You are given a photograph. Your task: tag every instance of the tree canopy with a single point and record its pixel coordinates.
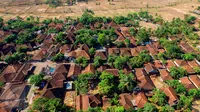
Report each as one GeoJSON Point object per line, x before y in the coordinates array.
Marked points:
{"type": "Point", "coordinates": [106, 85]}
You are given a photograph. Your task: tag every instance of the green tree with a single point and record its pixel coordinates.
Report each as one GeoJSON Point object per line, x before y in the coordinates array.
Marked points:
{"type": "Point", "coordinates": [97, 62]}
{"type": "Point", "coordinates": [96, 109]}
{"type": "Point", "coordinates": [36, 79]}
{"type": "Point", "coordinates": [126, 82]}
{"type": "Point", "coordinates": [22, 49]}
{"type": "Point", "coordinates": [138, 61]}
{"type": "Point", "coordinates": [195, 93]}
{"type": "Point", "coordinates": [177, 86]}
{"type": "Point", "coordinates": [106, 85]}
{"type": "Point", "coordinates": [177, 72]}
{"type": "Point", "coordinates": [120, 62]}
{"type": "Point", "coordinates": [87, 18]}
{"type": "Point", "coordinates": [82, 61]}
{"type": "Point", "coordinates": [111, 60]}
{"type": "Point", "coordinates": [48, 105]}
{"type": "Point", "coordinates": [115, 109]}
{"type": "Point", "coordinates": [120, 19]}
{"type": "Point", "coordinates": [190, 19]}
{"type": "Point", "coordinates": [148, 107]}
{"type": "Point", "coordinates": [16, 57]}
{"type": "Point", "coordinates": [103, 39]}
{"type": "Point", "coordinates": [10, 38]}
{"type": "Point", "coordinates": [25, 37]}
{"type": "Point", "coordinates": [2, 84]}
{"type": "Point", "coordinates": [173, 51]}
{"type": "Point", "coordinates": [185, 102]}
{"type": "Point", "coordinates": [60, 37]}
{"type": "Point", "coordinates": [114, 100]}
{"type": "Point", "coordinates": [82, 83]}
{"type": "Point", "coordinates": [159, 98]}
{"type": "Point", "coordinates": [127, 42]}
{"type": "Point", "coordinates": [167, 108]}
{"type": "Point", "coordinates": [197, 69]}
{"type": "Point", "coordinates": [1, 20]}
{"type": "Point", "coordinates": [142, 35]}
{"type": "Point", "coordinates": [58, 57]}
{"type": "Point", "coordinates": [133, 31]}
{"type": "Point", "coordinates": [92, 51]}
{"type": "Point", "coordinates": [188, 57]}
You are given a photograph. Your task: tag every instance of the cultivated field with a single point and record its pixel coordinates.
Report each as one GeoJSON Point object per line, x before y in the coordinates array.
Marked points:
{"type": "Point", "coordinates": [168, 9]}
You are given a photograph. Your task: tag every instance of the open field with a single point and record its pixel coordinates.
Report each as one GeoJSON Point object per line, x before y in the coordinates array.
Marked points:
{"type": "Point", "coordinates": [168, 9]}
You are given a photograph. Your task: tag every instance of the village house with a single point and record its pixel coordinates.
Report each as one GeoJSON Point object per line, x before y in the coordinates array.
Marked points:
{"type": "Point", "coordinates": [83, 102]}
{"type": "Point", "coordinates": [187, 83]}
{"type": "Point", "coordinates": [185, 65]}
{"type": "Point", "coordinates": [140, 100]}
{"type": "Point", "coordinates": [195, 80]}
{"type": "Point", "coordinates": [126, 100]}
{"type": "Point", "coordinates": [145, 81]}
{"type": "Point", "coordinates": [171, 94]}
{"type": "Point", "coordinates": [165, 75]}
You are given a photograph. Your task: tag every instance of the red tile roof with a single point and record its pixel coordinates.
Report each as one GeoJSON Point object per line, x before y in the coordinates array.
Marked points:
{"type": "Point", "coordinates": [113, 51]}
{"type": "Point", "coordinates": [193, 63]}
{"type": "Point", "coordinates": [171, 94]}
{"type": "Point", "coordinates": [79, 53]}
{"type": "Point", "coordinates": [125, 52]}
{"type": "Point", "coordinates": [185, 65]}
{"type": "Point", "coordinates": [165, 75]}
{"type": "Point", "coordinates": [140, 100]}
{"type": "Point", "coordinates": [134, 51]}
{"type": "Point", "coordinates": [89, 69]}
{"type": "Point", "coordinates": [170, 64]}
{"type": "Point", "coordinates": [74, 70]}
{"type": "Point", "coordinates": [195, 80]}
{"type": "Point", "coordinates": [150, 69]}
{"type": "Point", "coordinates": [187, 83]}
{"type": "Point", "coordinates": [187, 48]}
{"type": "Point", "coordinates": [83, 102]}
{"type": "Point", "coordinates": [125, 99]}
{"type": "Point", "coordinates": [101, 54]}
{"type": "Point", "coordinates": [13, 91]}
{"type": "Point", "coordinates": [144, 81]}
{"type": "Point", "coordinates": [158, 64]}
{"type": "Point", "coordinates": [106, 102]}
{"type": "Point", "coordinates": [114, 72]}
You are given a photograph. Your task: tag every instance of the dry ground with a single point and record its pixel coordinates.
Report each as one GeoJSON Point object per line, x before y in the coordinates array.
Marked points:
{"type": "Point", "coordinates": [168, 9]}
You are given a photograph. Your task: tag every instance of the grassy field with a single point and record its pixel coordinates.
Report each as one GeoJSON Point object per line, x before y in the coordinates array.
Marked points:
{"type": "Point", "coordinates": [168, 9]}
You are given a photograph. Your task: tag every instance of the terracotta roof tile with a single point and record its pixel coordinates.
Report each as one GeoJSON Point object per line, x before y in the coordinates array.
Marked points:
{"type": "Point", "coordinates": [125, 52]}
{"type": "Point", "coordinates": [101, 54]}
{"type": "Point", "coordinates": [83, 102]}
{"type": "Point", "coordinates": [165, 75]}
{"type": "Point", "coordinates": [61, 68]}
{"type": "Point", "coordinates": [134, 52]}
{"type": "Point", "coordinates": [74, 70]}
{"type": "Point", "coordinates": [13, 91]}
{"type": "Point", "coordinates": [195, 80]}
{"type": "Point", "coordinates": [193, 63]}
{"type": "Point", "coordinates": [150, 69]}
{"type": "Point", "coordinates": [114, 72]}
{"type": "Point", "coordinates": [169, 91]}
{"type": "Point", "coordinates": [79, 53]}
{"type": "Point", "coordinates": [89, 69]}
{"type": "Point", "coordinates": [125, 99]}
{"type": "Point", "coordinates": [113, 51]}
{"type": "Point", "coordinates": [187, 83]}
{"type": "Point", "coordinates": [170, 64]}
{"type": "Point", "coordinates": [140, 100]}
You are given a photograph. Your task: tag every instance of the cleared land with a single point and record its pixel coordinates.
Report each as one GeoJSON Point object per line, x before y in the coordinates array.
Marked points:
{"type": "Point", "coordinates": [168, 9]}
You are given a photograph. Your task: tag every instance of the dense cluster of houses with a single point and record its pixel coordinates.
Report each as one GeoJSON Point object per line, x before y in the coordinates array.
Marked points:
{"type": "Point", "coordinates": [14, 94]}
